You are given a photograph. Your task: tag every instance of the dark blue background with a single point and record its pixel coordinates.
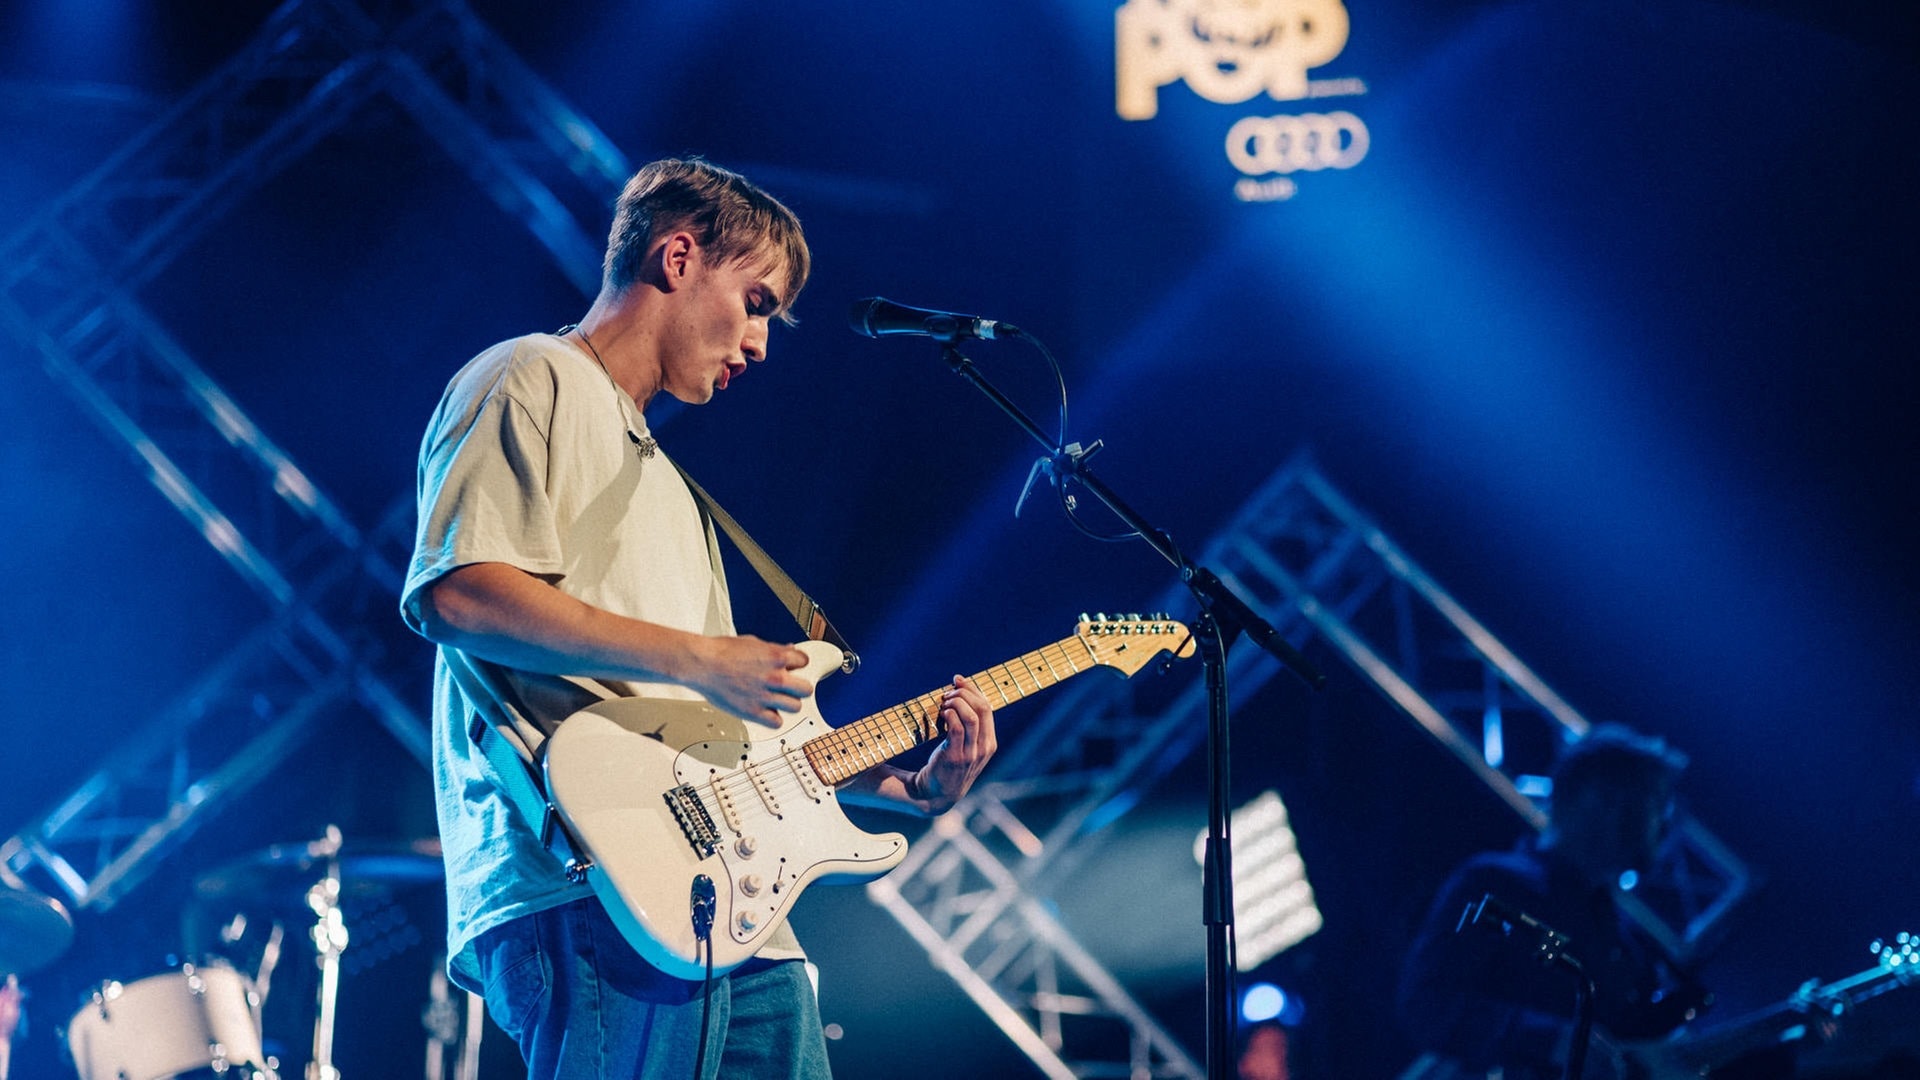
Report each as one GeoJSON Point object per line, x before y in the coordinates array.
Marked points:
{"type": "Point", "coordinates": [1613, 330]}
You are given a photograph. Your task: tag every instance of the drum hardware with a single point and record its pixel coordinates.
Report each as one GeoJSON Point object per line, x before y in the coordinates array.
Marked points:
{"type": "Point", "coordinates": [448, 1030]}
{"type": "Point", "coordinates": [10, 998]}
{"type": "Point", "coordinates": [35, 930]}
{"type": "Point", "coordinates": [203, 1016]}
{"type": "Point", "coordinates": [324, 874]}
{"type": "Point", "coordinates": [329, 936]}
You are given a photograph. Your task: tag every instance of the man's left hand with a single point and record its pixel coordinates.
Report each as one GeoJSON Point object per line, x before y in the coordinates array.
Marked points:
{"type": "Point", "coordinates": [967, 721]}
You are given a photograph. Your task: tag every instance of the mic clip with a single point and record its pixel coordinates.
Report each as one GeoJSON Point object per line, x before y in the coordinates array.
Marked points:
{"type": "Point", "coordinates": [1065, 463]}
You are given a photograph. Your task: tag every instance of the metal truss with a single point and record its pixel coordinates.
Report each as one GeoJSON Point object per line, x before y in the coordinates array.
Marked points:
{"type": "Point", "coordinates": [67, 284]}
{"type": "Point", "coordinates": [974, 891]}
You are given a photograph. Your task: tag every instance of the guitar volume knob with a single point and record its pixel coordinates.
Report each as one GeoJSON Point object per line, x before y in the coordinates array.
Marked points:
{"type": "Point", "coordinates": [745, 847]}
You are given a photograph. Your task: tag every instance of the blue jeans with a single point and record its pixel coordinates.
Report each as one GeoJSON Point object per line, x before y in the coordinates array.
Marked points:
{"type": "Point", "coordinates": [582, 1004]}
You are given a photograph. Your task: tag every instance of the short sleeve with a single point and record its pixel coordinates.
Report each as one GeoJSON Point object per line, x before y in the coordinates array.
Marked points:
{"type": "Point", "coordinates": [483, 497]}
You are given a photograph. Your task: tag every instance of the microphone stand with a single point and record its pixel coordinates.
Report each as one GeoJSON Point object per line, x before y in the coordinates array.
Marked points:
{"type": "Point", "coordinates": [1549, 947]}
{"type": "Point", "coordinates": [1224, 616]}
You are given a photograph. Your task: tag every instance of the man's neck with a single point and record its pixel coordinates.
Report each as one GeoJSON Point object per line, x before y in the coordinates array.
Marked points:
{"type": "Point", "coordinates": [616, 336]}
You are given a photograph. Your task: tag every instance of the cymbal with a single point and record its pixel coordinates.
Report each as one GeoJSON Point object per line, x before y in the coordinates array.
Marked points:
{"type": "Point", "coordinates": [34, 931]}
{"type": "Point", "coordinates": [286, 871]}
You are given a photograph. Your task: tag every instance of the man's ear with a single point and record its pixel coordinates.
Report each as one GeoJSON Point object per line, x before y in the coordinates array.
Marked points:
{"type": "Point", "coordinates": [674, 258]}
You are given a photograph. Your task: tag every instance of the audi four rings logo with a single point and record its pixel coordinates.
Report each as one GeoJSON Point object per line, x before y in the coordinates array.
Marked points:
{"type": "Point", "coordinates": [1260, 145]}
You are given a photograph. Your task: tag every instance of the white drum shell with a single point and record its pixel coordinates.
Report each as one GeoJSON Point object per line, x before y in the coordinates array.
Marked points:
{"type": "Point", "coordinates": [196, 1018]}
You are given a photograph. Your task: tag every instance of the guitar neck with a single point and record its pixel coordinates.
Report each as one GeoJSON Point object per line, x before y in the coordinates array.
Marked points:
{"type": "Point", "coordinates": [1718, 1045]}
{"type": "Point", "coordinates": [847, 751]}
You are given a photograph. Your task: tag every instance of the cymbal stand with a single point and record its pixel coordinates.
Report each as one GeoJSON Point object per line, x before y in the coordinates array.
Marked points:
{"type": "Point", "coordinates": [269, 960]}
{"type": "Point", "coordinates": [329, 941]}
{"type": "Point", "coordinates": [10, 997]}
{"type": "Point", "coordinates": [446, 1028]}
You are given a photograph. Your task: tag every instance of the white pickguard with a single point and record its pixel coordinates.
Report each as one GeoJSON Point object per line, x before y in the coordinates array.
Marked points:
{"type": "Point", "coordinates": [777, 827]}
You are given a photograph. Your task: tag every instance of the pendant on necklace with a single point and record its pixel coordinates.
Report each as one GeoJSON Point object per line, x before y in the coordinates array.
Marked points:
{"type": "Point", "coordinates": [646, 447]}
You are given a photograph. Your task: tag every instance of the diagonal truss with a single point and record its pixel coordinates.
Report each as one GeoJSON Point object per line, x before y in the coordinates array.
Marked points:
{"type": "Point", "coordinates": [67, 292]}
{"type": "Point", "coordinates": [67, 284]}
{"type": "Point", "coordinates": [974, 891]}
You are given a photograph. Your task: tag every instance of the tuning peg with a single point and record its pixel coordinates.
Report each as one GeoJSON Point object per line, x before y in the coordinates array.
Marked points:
{"type": "Point", "coordinates": [1084, 617]}
{"type": "Point", "coordinates": [1101, 617]}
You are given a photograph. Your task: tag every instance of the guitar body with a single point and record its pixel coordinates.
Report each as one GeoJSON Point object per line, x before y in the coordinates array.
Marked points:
{"type": "Point", "coordinates": [668, 798]}
{"type": "Point", "coordinates": [661, 792]}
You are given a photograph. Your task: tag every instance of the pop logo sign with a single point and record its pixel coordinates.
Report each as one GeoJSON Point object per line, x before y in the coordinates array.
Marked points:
{"type": "Point", "coordinates": [1231, 51]}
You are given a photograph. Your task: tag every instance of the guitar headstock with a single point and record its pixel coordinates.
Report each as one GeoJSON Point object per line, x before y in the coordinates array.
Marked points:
{"type": "Point", "coordinates": [1898, 965]}
{"type": "Point", "coordinates": [1900, 956]}
{"type": "Point", "coordinates": [1130, 642]}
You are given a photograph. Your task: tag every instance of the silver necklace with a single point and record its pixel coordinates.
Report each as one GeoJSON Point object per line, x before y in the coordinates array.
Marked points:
{"type": "Point", "coordinates": [646, 447]}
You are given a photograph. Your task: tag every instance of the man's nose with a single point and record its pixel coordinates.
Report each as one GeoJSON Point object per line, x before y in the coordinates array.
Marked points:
{"type": "Point", "coordinates": [754, 346]}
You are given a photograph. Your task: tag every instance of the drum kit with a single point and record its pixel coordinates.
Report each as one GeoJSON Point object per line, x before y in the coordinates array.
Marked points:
{"type": "Point", "coordinates": [204, 1017]}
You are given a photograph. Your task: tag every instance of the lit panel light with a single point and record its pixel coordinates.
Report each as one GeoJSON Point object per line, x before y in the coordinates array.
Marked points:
{"type": "Point", "coordinates": [1273, 908]}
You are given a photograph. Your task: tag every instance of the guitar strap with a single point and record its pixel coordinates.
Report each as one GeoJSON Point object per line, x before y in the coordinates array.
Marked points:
{"type": "Point", "coordinates": [808, 614]}
{"type": "Point", "coordinates": [513, 746]}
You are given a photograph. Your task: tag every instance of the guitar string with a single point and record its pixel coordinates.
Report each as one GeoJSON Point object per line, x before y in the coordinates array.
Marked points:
{"type": "Point", "coordinates": [891, 732]}
{"type": "Point", "coordinates": [904, 723]}
{"type": "Point", "coordinates": [900, 721]}
{"type": "Point", "coordinates": [895, 731]}
{"type": "Point", "coordinates": [872, 739]}
{"type": "Point", "coordinates": [745, 785]}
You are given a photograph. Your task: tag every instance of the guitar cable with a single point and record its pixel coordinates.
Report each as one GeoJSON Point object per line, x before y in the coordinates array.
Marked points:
{"type": "Point", "coordinates": [703, 905]}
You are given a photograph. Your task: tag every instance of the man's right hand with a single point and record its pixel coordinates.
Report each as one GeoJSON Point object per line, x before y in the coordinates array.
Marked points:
{"type": "Point", "coordinates": [752, 678]}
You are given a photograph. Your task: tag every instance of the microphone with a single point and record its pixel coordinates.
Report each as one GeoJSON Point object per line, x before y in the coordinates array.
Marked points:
{"type": "Point", "coordinates": [879, 317]}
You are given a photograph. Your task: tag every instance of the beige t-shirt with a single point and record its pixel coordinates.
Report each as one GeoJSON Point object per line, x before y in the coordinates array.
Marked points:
{"type": "Point", "coordinates": [528, 461]}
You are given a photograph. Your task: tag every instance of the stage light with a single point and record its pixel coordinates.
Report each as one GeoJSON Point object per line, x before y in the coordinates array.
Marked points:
{"type": "Point", "coordinates": [1262, 1001]}
{"type": "Point", "coordinates": [1273, 906]}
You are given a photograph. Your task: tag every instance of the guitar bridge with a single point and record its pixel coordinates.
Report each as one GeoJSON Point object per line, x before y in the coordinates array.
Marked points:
{"type": "Point", "coordinates": [694, 820]}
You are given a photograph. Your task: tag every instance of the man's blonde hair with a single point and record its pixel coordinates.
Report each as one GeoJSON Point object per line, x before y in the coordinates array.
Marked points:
{"type": "Point", "coordinates": [730, 217]}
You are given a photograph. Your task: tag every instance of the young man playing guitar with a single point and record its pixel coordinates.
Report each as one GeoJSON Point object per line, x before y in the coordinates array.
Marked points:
{"type": "Point", "coordinates": [562, 561]}
{"type": "Point", "coordinates": [1478, 1003]}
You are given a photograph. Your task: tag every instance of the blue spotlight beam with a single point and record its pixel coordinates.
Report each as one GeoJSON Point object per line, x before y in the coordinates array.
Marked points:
{"type": "Point", "coordinates": [295, 81]}
{"type": "Point", "coordinates": [66, 291]}
{"type": "Point", "coordinates": [67, 283]}
{"type": "Point", "coordinates": [247, 713]}
{"type": "Point", "coordinates": [973, 891]}
{"type": "Point", "coordinates": [1017, 979]}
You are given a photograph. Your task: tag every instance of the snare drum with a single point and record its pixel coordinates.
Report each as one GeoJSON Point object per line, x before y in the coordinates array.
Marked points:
{"type": "Point", "coordinates": [203, 1016]}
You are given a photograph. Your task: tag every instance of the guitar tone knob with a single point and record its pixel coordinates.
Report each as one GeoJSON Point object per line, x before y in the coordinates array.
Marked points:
{"type": "Point", "coordinates": [751, 884]}
{"type": "Point", "coordinates": [745, 847]}
{"type": "Point", "coordinates": [746, 921]}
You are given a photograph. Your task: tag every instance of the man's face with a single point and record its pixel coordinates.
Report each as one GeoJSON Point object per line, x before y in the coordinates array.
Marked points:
{"type": "Point", "coordinates": [719, 323]}
{"type": "Point", "coordinates": [1616, 828]}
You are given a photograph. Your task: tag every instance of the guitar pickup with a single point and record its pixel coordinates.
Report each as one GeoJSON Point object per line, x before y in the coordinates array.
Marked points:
{"type": "Point", "coordinates": [691, 813]}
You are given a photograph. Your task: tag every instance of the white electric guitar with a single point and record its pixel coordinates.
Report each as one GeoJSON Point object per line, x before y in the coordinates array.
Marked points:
{"type": "Point", "coordinates": [676, 802]}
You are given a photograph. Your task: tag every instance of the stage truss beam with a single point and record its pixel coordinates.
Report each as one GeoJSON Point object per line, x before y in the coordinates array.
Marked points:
{"type": "Point", "coordinates": [976, 891]}
{"type": "Point", "coordinates": [67, 292]}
